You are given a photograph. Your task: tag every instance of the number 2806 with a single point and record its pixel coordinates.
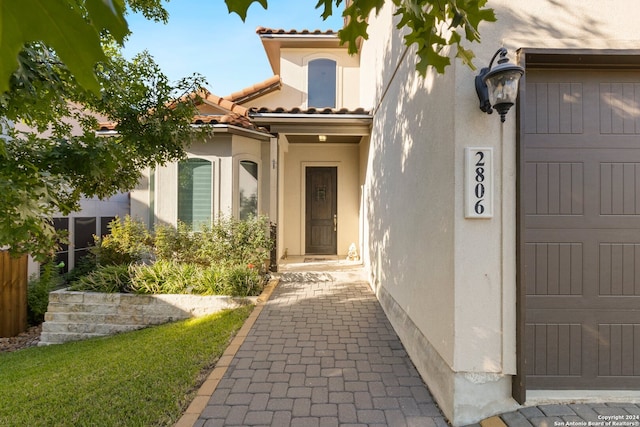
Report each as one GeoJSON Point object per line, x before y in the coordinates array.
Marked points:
{"type": "Point", "coordinates": [479, 188]}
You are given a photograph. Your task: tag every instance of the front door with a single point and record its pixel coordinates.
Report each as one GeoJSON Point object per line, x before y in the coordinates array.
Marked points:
{"type": "Point", "coordinates": [321, 210]}
{"type": "Point", "coordinates": [581, 233]}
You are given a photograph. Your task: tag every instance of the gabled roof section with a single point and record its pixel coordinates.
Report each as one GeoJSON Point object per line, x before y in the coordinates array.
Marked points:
{"type": "Point", "coordinates": [214, 110]}
{"type": "Point", "coordinates": [257, 90]}
{"type": "Point", "coordinates": [275, 39]}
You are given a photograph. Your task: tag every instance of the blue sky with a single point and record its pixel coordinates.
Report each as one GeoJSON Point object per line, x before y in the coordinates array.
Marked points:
{"type": "Point", "coordinates": [202, 37]}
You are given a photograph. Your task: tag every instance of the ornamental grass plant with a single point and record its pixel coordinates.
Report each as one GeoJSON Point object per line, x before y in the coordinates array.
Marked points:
{"type": "Point", "coordinates": [140, 378]}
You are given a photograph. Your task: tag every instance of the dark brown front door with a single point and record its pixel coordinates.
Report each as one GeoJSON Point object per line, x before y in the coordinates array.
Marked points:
{"type": "Point", "coordinates": [580, 230]}
{"type": "Point", "coordinates": [321, 210]}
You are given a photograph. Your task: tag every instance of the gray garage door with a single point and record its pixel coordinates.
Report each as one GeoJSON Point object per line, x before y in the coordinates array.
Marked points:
{"type": "Point", "coordinates": [581, 232]}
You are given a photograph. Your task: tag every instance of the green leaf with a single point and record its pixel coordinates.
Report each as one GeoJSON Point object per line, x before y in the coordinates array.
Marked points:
{"type": "Point", "coordinates": [57, 24]}
{"type": "Point", "coordinates": [242, 6]}
{"type": "Point", "coordinates": [109, 15]}
{"type": "Point", "coordinates": [328, 7]}
{"type": "Point", "coordinates": [466, 56]}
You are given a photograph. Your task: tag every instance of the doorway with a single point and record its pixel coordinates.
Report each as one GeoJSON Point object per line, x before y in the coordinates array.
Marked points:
{"type": "Point", "coordinates": [321, 213]}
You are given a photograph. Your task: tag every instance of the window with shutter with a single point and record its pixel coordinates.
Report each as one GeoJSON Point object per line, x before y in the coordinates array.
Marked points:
{"type": "Point", "coordinates": [194, 192]}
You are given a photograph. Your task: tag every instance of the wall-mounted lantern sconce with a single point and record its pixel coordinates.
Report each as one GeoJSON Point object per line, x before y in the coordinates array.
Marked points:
{"type": "Point", "coordinates": [497, 87]}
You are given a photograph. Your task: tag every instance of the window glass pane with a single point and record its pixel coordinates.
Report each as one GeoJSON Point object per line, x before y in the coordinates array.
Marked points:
{"type": "Point", "coordinates": [248, 182]}
{"type": "Point", "coordinates": [104, 225]}
{"type": "Point", "coordinates": [84, 230]}
{"type": "Point", "coordinates": [194, 192]}
{"type": "Point", "coordinates": [322, 83]}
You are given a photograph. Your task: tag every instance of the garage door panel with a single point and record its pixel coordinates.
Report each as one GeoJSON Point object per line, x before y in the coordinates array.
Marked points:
{"type": "Point", "coordinates": [618, 349]}
{"type": "Point", "coordinates": [554, 107]}
{"type": "Point", "coordinates": [555, 349]}
{"type": "Point", "coordinates": [619, 103]}
{"type": "Point", "coordinates": [558, 188]}
{"type": "Point", "coordinates": [554, 268]}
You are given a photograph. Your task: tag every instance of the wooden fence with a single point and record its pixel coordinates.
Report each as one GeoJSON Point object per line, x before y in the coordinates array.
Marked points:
{"type": "Point", "coordinates": [13, 295]}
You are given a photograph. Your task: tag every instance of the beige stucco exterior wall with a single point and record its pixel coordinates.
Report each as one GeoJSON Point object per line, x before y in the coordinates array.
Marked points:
{"type": "Point", "coordinates": [224, 151]}
{"type": "Point", "coordinates": [293, 72]}
{"type": "Point", "coordinates": [296, 159]}
{"type": "Point", "coordinates": [448, 283]}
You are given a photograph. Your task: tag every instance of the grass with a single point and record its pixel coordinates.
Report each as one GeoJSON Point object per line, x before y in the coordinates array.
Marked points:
{"type": "Point", "coordinates": [141, 378]}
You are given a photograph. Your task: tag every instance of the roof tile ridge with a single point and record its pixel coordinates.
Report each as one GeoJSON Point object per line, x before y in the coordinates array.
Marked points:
{"type": "Point", "coordinates": [254, 89]}
{"type": "Point", "coordinates": [224, 103]}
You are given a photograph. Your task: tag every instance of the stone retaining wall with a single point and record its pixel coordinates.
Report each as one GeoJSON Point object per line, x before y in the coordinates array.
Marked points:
{"type": "Point", "coordinates": [73, 316]}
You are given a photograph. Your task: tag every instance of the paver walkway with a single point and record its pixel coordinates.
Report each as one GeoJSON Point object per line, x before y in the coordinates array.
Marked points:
{"type": "Point", "coordinates": [321, 353]}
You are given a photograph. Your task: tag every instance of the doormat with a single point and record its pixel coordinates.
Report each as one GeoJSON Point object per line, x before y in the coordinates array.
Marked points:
{"type": "Point", "coordinates": [315, 259]}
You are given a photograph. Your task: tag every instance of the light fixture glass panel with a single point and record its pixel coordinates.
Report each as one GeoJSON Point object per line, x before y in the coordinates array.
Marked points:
{"type": "Point", "coordinates": [503, 87]}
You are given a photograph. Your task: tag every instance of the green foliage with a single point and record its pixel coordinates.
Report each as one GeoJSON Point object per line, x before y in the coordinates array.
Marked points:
{"type": "Point", "coordinates": [141, 378]}
{"type": "Point", "coordinates": [40, 175]}
{"type": "Point", "coordinates": [106, 278]}
{"type": "Point", "coordinates": [241, 280]}
{"type": "Point", "coordinates": [224, 259]}
{"type": "Point", "coordinates": [179, 244]}
{"type": "Point", "coordinates": [230, 241]}
{"type": "Point", "coordinates": [128, 242]}
{"type": "Point", "coordinates": [71, 28]}
{"type": "Point", "coordinates": [38, 292]}
{"type": "Point", "coordinates": [172, 277]}
{"type": "Point", "coordinates": [435, 24]}
{"type": "Point", "coordinates": [164, 277]}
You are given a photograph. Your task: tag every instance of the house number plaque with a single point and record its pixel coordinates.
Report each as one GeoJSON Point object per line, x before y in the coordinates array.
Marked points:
{"type": "Point", "coordinates": [478, 182]}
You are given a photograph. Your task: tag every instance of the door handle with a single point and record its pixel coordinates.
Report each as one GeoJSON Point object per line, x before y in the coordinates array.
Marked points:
{"type": "Point", "coordinates": [335, 222]}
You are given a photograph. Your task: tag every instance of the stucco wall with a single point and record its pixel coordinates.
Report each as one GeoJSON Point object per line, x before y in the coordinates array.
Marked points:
{"type": "Point", "coordinates": [448, 283]}
{"type": "Point", "coordinates": [224, 151]}
{"type": "Point", "coordinates": [293, 72]}
{"type": "Point", "coordinates": [346, 159]}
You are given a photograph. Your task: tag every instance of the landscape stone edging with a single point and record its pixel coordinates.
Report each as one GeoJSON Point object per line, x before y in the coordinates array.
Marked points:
{"type": "Point", "coordinates": [73, 315]}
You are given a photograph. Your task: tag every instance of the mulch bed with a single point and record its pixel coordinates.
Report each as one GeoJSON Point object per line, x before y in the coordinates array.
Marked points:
{"type": "Point", "coordinates": [29, 338]}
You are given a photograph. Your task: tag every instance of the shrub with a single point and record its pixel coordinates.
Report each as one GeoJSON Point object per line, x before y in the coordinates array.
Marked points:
{"type": "Point", "coordinates": [171, 277]}
{"type": "Point", "coordinates": [230, 241]}
{"type": "Point", "coordinates": [163, 277]}
{"type": "Point", "coordinates": [128, 242]}
{"type": "Point", "coordinates": [106, 278]}
{"type": "Point", "coordinates": [178, 244]}
{"type": "Point", "coordinates": [38, 290]}
{"type": "Point", "coordinates": [242, 281]}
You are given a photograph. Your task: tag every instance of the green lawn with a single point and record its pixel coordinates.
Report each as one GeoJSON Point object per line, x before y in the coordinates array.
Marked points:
{"type": "Point", "coordinates": [141, 378]}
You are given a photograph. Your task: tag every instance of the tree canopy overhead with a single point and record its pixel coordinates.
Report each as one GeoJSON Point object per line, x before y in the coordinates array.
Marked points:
{"type": "Point", "coordinates": [50, 153]}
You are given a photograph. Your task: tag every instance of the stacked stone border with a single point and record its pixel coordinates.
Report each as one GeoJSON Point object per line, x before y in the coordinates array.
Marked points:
{"type": "Point", "coordinates": [73, 316]}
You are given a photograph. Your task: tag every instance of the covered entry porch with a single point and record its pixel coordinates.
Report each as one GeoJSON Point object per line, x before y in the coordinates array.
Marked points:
{"type": "Point", "coordinates": [321, 168]}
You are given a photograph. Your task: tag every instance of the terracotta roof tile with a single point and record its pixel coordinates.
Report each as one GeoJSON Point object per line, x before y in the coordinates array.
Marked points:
{"type": "Point", "coordinates": [269, 85]}
{"type": "Point", "coordinates": [227, 104]}
{"type": "Point", "coordinates": [233, 119]}
{"type": "Point", "coordinates": [280, 31]}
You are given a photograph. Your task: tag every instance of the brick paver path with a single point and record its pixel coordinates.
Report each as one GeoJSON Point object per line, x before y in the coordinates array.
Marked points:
{"type": "Point", "coordinates": [321, 353]}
